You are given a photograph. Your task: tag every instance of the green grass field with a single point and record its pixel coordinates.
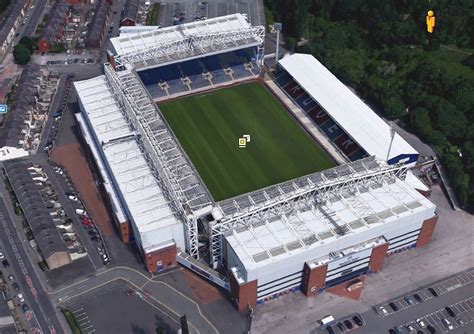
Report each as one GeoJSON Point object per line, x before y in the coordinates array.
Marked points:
{"type": "Point", "coordinates": [208, 127]}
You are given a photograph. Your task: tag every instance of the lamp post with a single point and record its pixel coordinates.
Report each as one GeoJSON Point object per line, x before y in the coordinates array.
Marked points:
{"type": "Point", "coordinates": [392, 135]}
{"type": "Point", "coordinates": [278, 27]}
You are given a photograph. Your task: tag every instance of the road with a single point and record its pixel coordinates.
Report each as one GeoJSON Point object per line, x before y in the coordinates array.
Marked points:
{"type": "Point", "coordinates": [35, 15]}
{"type": "Point", "coordinates": [162, 295]}
{"type": "Point", "coordinates": [35, 295]}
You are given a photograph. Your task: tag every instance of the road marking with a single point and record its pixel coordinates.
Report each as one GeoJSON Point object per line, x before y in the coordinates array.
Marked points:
{"type": "Point", "coordinates": [144, 276]}
{"type": "Point", "coordinates": [78, 310]}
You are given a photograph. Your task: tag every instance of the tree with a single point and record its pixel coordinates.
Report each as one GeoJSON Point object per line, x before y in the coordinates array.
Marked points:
{"type": "Point", "coordinates": [21, 54]}
{"type": "Point", "coordinates": [469, 61]}
{"type": "Point", "coordinates": [291, 43]}
{"type": "Point", "coordinates": [449, 119]}
{"type": "Point", "coordinates": [394, 106]}
{"type": "Point", "coordinates": [28, 43]}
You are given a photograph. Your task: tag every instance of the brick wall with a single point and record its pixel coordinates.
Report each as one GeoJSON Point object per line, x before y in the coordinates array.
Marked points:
{"type": "Point", "coordinates": [427, 231]}
{"type": "Point", "coordinates": [377, 257]}
{"type": "Point", "coordinates": [243, 295]}
{"type": "Point", "coordinates": [167, 256]}
{"type": "Point", "coordinates": [125, 232]}
{"type": "Point", "coordinates": [313, 279]}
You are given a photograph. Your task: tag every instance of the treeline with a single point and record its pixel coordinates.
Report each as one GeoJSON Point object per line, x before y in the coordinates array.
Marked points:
{"type": "Point", "coordinates": [382, 49]}
{"type": "Point", "coordinates": [4, 5]}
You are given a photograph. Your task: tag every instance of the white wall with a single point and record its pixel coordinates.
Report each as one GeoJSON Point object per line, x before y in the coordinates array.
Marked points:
{"type": "Point", "coordinates": [275, 268]}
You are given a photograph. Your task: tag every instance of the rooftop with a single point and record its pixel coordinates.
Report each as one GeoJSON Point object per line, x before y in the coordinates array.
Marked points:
{"type": "Point", "coordinates": [351, 212]}
{"type": "Point", "coordinates": [46, 234]}
{"type": "Point", "coordinates": [125, 156]}
{"type": "Point", "coordinates": [146, 49]}
{"type": "Point", "coordinates": [345, 107]}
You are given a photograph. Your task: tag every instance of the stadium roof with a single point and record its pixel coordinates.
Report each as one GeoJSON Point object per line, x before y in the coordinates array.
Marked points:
{"type": "Point", "coordinates": [346, 108]}
{"type": "Point", "coordinates": [148, 49]}
{"type": "Point", "coordinates": [134, 176]}
{"type": "Point", "coordinates": [353, 211]}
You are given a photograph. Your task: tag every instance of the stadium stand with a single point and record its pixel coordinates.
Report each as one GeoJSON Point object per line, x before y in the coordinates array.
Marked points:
{"type": "Point", "coordinates": [345, 119]}
{"type": "Point", "coordinates": [220, 68]}
{"type": "Point", "coordinates": [321, 118]}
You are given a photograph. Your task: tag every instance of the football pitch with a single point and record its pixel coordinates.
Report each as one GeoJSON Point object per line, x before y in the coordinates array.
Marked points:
{"type": "Point", "coordinates": [209, 126]}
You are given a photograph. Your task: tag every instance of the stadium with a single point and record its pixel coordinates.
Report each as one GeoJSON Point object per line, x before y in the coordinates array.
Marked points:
{"type": "Point", "coordinates": [262, 182]}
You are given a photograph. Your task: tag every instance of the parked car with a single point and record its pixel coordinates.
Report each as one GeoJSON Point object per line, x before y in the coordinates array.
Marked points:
{"type": "Point", "coordinates": [433, 292]}
{"type": "Point", "coordinates": [5, 263]}
{"type": "Point", "coordinates": [25, 308]}
{"type": "Point", "coordinates": [410, 328]}
{"type": "Point", "coordinates": [450, 311]}
{"type": "Point", "coordinates": [417, 298]}
{"type": "Point", "coordinates": [348, 324]}
{"type": "Point", "coordinates": [92, 232]}
{"type": "Point", "coordinates": [357, 320]}
{"type": "Point", "coordinates": [20, 297]}
{"type": "Point", "coordinates": [383, 310]}
{"type": "Point", "coordinates": [448, 324]}
{"type": "Point", "coordinates": [11, 278]}
{"type": "Point", "coordinates": [393, 306]}
{"type": "Point", "coordinates": [408, 300]}
{"type": "Point", "coordinates": [330, 330]}
{"type": "Point", "coordinates": [431, 329]}
{"type": "Point", "coordinates": [2, 255]}
{"type": "Point", "coordinates": [16, 287]}
{"type": "Point", "coordinates": [95, 238]}
{"type": "Point", "coordinates": [421, 323]}
{"type": "Point", "coordinates": [460, 322]}
{"type": "Point", "coordinates": [340, 326]}
{"type": "Point", "coordinates": [392, 331]}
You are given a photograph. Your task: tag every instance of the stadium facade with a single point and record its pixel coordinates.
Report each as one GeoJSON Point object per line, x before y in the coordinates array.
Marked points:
{"type": "Point", "coordinates": [309, 233]}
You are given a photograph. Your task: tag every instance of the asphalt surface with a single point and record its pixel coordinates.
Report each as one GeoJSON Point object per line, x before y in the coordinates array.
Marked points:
{"type": "Point", "coordinates": [35, 296]}
{"type": "Point", "coordinates": [34, 16]}
{"type": "Point", "coordinates": [374, 322]}
{"type": "Point", "coordinates": [187, 10]}
{"type": "Point", "coordinates": [163, 296]}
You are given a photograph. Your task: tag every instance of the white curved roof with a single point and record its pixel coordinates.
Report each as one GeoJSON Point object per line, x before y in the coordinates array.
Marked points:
{"type": "Point", "coordinates": [345, 108]}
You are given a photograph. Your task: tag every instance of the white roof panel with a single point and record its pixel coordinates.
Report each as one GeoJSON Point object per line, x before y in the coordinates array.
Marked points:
{"type": "Point", "coordinates": [258, 246]}
{"type": "Point", "coordinates": [138, 42]}
{"type": "Point", "coordinates": [133, 175]}
{"type": "Point", "coordinates": [345, 107]}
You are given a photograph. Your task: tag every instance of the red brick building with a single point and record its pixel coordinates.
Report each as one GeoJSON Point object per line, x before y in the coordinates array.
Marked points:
{"type": "Point", "coordinates": [54, 29]}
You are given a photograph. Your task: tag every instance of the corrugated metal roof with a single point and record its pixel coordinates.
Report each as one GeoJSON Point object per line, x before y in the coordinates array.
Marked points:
{"type": "Point", "coordinates": [345, 107]}
{"type": "Point", "coordinates": [141, 41]}
{"type": "Point", "coordinates": [257, 245]}
{"type": "Point", "coordinates": [128, 163]}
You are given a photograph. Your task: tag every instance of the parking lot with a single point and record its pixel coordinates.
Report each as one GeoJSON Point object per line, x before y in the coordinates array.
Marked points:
{"type": "Point", "coordinates": [127, 312]}
{"type": "Point", "coordinates": [391, 307]}
{"type": "Point", "coordinates": [464, 315]}
{"type": "Point", "coordinates": [82, 319]}
{"type": "Point", "coordinates": [183, 11]}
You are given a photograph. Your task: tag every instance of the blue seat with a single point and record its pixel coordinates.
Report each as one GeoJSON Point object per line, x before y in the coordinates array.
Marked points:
{"type": "Point", "coordinates": [190, 68]}
{"type": "Point", "coordinates": [159, 74]}
{"type": "Point", "coordinates": [358, 154]}
{"type": "Point", "coordinates": [212, 63]}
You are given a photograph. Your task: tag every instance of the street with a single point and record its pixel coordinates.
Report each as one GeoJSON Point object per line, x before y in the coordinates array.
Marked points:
{"type": "Point", "coordinates": [25, 274]}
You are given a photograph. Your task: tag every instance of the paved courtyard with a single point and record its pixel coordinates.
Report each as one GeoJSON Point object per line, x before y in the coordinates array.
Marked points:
{"type": "Point", "coordinates": [449, 252]}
